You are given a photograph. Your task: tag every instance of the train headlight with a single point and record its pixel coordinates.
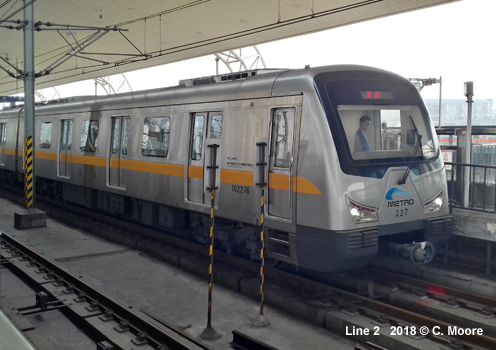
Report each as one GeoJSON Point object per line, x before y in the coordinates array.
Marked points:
{"type": "Point", "coordinates": [361, 213]}
{"type": "Point", "coordinates": [433, 205]}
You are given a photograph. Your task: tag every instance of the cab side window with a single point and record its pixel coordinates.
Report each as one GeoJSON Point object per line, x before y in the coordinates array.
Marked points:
{"type": "Point", "coordinates": [283, 137]}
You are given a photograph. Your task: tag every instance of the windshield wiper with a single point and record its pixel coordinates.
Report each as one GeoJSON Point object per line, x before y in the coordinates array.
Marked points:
{"type": "Point", "coordinates": [415, 150]}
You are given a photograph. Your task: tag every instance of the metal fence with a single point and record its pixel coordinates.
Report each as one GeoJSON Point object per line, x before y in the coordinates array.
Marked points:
{"type": "Point", "coordinates": [484, 155]}
{"type": "Point", "coordinates": [482, 183]}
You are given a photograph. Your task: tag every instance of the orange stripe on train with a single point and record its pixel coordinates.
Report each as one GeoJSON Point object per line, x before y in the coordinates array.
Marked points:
{"type": "Point", "coordinates": [236, 177]}
{"type": "Point", "coordinates": [11, 151]}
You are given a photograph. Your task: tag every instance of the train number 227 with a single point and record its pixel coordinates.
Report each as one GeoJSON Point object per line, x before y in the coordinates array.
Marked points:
{"type": "Point", "coordinates": [401, 212]}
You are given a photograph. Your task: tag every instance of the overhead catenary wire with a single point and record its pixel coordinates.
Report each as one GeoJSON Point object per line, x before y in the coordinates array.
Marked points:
{"type": "Point", "coordinates": [133, 58]}
{"type": "Point", "coordinates": [16, 11]}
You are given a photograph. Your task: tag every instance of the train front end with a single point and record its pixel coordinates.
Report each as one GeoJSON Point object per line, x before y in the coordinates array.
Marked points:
{"type": "Point", "coordinates": [387, 189]}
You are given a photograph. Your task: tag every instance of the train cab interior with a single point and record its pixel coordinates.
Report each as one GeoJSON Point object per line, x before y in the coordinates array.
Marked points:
{"type": "Point", "coordinates": [378, 132]}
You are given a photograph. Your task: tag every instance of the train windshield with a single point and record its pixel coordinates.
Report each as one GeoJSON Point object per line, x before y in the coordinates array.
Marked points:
{"type": "Point", "coordinates": [382, 132]}
{"type": "Point", "coordinates": [377, 120]}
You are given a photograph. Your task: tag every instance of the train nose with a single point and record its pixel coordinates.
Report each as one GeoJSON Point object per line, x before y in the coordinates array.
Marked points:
{"type": "Point", "coordinates": [400, 203]}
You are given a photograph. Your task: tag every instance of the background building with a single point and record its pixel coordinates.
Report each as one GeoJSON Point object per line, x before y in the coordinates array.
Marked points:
{"type": "Point", "coordinates": [454, 112]}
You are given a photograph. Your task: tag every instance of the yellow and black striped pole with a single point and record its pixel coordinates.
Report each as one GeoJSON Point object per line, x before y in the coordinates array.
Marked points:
{"type": "Point", "coordinates": [28, 168]}
{"type": "Point", "coordinates": [261, 320]}
{"type": "Point", "coordinates": [262, 256]}
{"type": "Point", "coordinates": [211, 256]}
{"type": "Point", "coordinates": [209, 333]}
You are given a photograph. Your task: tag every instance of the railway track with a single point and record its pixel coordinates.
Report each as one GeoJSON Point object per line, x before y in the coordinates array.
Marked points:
{"type": "Point", "coordinates": [109, 321]}
{"type": "Point", "coordinates": [365, 319]}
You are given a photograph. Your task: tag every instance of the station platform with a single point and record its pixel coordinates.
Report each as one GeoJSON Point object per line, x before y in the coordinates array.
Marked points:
{"type": "Point", "coordinates": [474, 224]}
{"type": "Point", "coordinates": [479, 227]}
{"type": "Point", "coordinates": [10, 337]}
{"type": "Point", "coordinates": [153, 287]}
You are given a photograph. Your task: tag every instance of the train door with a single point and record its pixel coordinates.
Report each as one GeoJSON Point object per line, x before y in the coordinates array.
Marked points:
{"type": "Point", "coordinates": [280, 194]}
{"type": "Point", "coordinates": [117, 166]}
{"type": "Point", "coordinates": [65, 147]}
{"type": "Point", "coordinates": [204, 126]}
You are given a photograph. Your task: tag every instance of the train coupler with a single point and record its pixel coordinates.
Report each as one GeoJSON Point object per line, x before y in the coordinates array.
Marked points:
{"type": "Point", "coordinates": [418, 253]}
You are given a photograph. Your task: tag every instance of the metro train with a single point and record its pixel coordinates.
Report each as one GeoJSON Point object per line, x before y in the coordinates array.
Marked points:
{"type": "Point", "coordinates": [148, 157]}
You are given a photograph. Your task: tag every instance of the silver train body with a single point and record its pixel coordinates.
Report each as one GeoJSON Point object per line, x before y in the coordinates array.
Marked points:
{"type": "Point", "coordinates": [146, 156]}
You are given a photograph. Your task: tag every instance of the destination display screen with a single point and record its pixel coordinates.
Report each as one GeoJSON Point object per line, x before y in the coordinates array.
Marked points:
{"type": "Point", "coordinates": [377, 95]}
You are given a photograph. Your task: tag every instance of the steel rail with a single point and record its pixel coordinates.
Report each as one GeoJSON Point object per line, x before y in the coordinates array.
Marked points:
{"type": "Point", "coordinates": [242, 341]}
{"type": "Point", "coordinates": [394, 314]}
{"type": "Point", "coordinates": [480, 300]}
{"type": "Point", "coordinates": [167, 337]}
{"type": "Point", "coordinates": [367, 306]}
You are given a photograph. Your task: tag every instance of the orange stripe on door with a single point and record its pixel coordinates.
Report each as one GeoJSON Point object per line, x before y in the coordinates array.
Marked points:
{"type": "Point", "coordinates": [300, 184]}
{"type": "Point", "coordinates": [195, 172]}
{"type": "Point", "coordinates": [114, 162]}
{"type": "Point", "coordinates": [9, 151]}
{"type": "Point", "coordinates": [279, 181]}
{"type": "Point", "coordinates": [305, 186]}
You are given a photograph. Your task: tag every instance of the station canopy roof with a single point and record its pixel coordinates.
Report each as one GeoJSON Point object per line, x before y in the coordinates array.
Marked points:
{"type": "Point", "coordinates": [77, 40]}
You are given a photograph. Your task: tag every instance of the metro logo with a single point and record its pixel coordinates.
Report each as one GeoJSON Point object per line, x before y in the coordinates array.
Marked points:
{"type": "Point", "coordinates": [398, 203]}
{"type": "Point", "coordinates": [393, 191]}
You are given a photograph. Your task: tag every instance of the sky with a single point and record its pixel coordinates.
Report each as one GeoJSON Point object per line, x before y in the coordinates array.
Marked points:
{"type": "Point", "coordinates": [454, 42]}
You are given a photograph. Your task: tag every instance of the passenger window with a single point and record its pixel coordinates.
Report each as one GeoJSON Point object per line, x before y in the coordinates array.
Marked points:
{"type": "Point", "coordinates": [197, 137]}
{"type": "Point", "coordinates": [156, 134]}
{"type": "Point", "coordinates": [116, 133]}
{"type": "Point", "coordinates": [125, 134]}
{"type": "Point", "coordinates": [3, 140]}
{"type": "Point", "coordinates": [3, 134]}
{"type": "Point", "coordinates": [46, 135]}
{"type": "Point", "coordinates": [66, 135]}
{"type": "Point", "coordinates": [89, 135]}
{"type": "Point", "coordinates": [216, 126]}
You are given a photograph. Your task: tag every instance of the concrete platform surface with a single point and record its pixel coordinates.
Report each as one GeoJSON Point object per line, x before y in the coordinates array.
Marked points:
{"type": "Point", "coordinates": [474, 224]}
{"type": "Point", "coordinates": [164, 291]}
